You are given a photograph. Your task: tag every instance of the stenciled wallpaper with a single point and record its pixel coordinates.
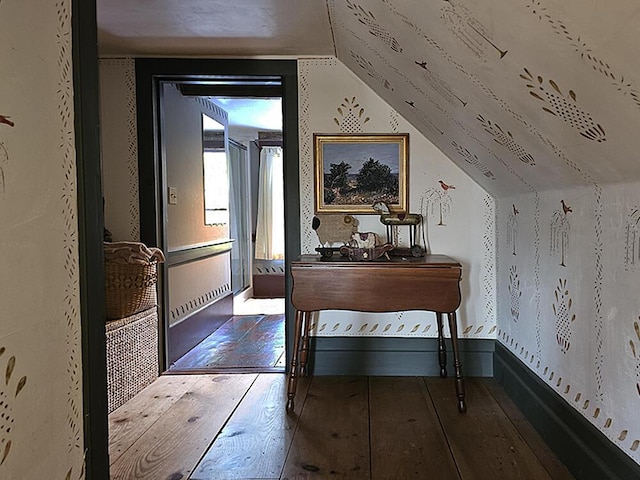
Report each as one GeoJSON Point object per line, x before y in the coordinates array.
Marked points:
{"type": "Point", "coordinates": [458, 214]}
{"type": "Point", "coordinates": [119, 144]}
{"type": "Point", "coordinates": [41, 426]}
{"type": "Point", "coordinates": [538, 101]}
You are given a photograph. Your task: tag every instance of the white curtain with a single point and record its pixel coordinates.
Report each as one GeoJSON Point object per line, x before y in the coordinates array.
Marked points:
{"type": "Point", "coordinates": [270, 225]}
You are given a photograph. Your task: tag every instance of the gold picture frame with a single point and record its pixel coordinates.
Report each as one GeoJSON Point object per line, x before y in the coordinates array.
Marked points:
{"type": "Point", "coordinates": [353, 171]}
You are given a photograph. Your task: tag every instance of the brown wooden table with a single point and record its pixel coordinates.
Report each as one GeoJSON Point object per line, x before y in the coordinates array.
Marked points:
{"type": "Point", "coordinates": [429, 283]}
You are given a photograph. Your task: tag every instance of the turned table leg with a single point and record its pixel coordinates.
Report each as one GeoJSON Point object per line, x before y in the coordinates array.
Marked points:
{"type": "Point", "coordinates": [453, 329]}
{"type": "Point", "coordinates": [293, 374]}
{"type": "Point", "coordinates": [304, 349]}
{"type": "Point", "coordinates": [442, 352]}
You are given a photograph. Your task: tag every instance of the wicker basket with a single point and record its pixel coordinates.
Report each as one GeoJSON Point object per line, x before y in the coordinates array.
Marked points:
{"type": "Point", "coordinates": [129, 288]}
{"type": "Point", "coordinates": [132, 356]}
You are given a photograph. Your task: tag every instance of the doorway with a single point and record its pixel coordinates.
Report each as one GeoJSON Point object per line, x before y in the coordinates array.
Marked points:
{"type": "Point", "coordinates": [149, 75]}
{"type": "Point", "coordinates": [249, 141]}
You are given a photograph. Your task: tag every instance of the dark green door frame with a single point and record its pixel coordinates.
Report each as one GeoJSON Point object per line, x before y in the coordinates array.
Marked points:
{"type": "Point", "coordinates": [90, 234]}
{"type": "Point", "coordinates": [149, 73]}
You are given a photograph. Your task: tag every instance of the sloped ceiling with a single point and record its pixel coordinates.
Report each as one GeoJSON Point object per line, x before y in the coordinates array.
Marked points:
{"type": "Point", "coordinates": [523, 95]}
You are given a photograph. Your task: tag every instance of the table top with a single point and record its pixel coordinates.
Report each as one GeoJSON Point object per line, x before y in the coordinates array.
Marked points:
{"type": "Point", "coordinates": [412, 283]}
{"type": "Point", "coordinates": [432, 260]}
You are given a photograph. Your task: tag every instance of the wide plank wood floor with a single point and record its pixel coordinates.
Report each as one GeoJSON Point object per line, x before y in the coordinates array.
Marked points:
{"type": "Point", "coordinates": [234, 426]}
{"type": "Point", "coordinates": [245, 343]}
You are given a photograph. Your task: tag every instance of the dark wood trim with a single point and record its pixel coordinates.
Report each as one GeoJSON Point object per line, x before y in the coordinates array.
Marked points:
{"type": "Point", "coordinates": [255, 91]}
{"type": "Point", "coordinates": [197, 253]}
{"type": "Point", "coordinates": [90, 236]}
{"type": "Point", "coordinates": [585, 450]}
{"type": "Point", "coordinates": [397, 356]}
{"type": "Point", "coordinates": [291, 194]}
{"type": "Point", "coordinates": [198, 326]}
{"type": "Point", "coordinates": [148, 73]}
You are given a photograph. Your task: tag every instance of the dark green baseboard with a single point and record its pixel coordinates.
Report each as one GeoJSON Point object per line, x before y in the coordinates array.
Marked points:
{"type": "Point", "coordinates": [396, 356]}
{"type": "Point", "coordinates": [584, 449]}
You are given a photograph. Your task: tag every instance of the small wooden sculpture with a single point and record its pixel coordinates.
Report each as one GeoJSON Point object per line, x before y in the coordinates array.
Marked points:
{"type": "Point", "coordinates": [390, 220]}
{"type": "Point", "coordinates": [365, 246]}
{"type": "Point", "coordinates": [332, 229]}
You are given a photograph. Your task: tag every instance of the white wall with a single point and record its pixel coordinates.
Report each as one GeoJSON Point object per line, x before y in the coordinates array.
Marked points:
{"type": "Point", "coordinates": [182, 128]}
{"type": "Point", "coordinates": [331, 97]}
{"type": "Point", "coordinates": [41, 426]}
{"type": "Point", "coordinates": [576, 325]}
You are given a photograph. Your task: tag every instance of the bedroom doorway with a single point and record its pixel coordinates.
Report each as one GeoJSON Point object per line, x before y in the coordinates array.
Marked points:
{"type": "Point", "coordinates": [150, 73]}
{"type": "Point", "coordinates": [253, 339]}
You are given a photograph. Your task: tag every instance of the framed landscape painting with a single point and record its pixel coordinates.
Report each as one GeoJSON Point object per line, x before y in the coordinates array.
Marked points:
{"type": "Point", "coordinates": [353, 171]}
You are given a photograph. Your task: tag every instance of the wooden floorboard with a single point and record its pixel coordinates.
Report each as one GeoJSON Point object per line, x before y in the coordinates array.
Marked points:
{"type": "Point", "coordinates": [484, 442]}
{"type": "Point", "coordinates": [261, 345]}
{"type": "Point", "coordinates": [218, 427]}
{"type": "Point", "coordinates": [255, 441]}
{"type": "Point", "coordinates": [130, 421]}
{"type": "Point", "coordinates": [549, 460]}
{"type": "Point", "coordinates": [406, 437]}
{"type": "Point", "coordinates": [173, 445]}
{"type": "Point", "coordinates": [332, 437]}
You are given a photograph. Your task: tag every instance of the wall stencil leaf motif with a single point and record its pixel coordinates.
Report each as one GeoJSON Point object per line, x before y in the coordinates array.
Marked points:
{"type": "Point", "coordinates": [9, 391]}
{"type": "Point", "coordinates": [351, 116]}
{"type": "Point", "coordinates": [635, 350]}
{"type": "Point", "coordinates": [632, 240]}
{"type": "Point", "coordinates": [439, 85]}
{"type": "Point", "coordinates": [472, 159]}
{"type": "Point", "coordinates": [564, 318]}
{"type": "Point", "coordinates": [4, 155]}
{"type": "Point", "coordinates": [422, 118]}
{"type": "Point", "coordinates": [560, 228]}
{"type": "Point", "coordinates": [371, 71]}
{"type": "Point", "coordinates": [621, 84]}
{"type": "Point", "coordinates": [506, 140]}
{"type": "Point", "coordinates": [369, 20]}
{"type": "Point", "coordinates": [512, 229]}
{"type": "Point", "coordinates": [563, 106]}
{"type": "Point", "coordinates": [514, 292]}
{"type": "Point", "coordinates": [468, 29]}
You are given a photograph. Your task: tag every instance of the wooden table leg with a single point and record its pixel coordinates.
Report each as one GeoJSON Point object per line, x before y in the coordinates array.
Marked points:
{"type": "Point", "coordinates": [453, 329]}
{"type": "Point", "coordinates": [293, 374]}
{"type": "Point", "coordinates": [304, 349]}
{"type": "Point", "coordinates": [442, 352]}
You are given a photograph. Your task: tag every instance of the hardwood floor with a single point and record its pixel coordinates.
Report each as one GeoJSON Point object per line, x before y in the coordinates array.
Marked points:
{"type": "Point", "coordinates": [247, 343]}
{"type": "Point", "coordinates": [234, 426]}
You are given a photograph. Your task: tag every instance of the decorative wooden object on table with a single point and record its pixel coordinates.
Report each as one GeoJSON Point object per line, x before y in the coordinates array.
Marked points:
{"type": "Point", "coordinates": [430, 283]}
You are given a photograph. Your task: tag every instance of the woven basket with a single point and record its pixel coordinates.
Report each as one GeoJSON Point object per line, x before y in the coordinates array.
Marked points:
{"type": "Point", "coordinates": [129, 288]}
{"type": "Point", "coordinates": [132, 356]}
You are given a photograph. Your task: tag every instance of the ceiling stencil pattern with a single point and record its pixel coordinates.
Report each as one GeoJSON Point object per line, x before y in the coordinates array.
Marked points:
{"type": "Point", "coordinates": [585, 52]}
{"type": "Point", "coordinates": [454, 64]}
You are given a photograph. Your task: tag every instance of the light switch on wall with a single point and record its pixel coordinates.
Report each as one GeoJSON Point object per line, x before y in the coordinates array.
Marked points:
{"type": "Point", "coordinates": [173, 196]}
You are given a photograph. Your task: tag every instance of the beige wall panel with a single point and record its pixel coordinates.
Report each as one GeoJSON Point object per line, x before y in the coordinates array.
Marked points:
{"type": "Point", "coordinates": [40, 358]}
